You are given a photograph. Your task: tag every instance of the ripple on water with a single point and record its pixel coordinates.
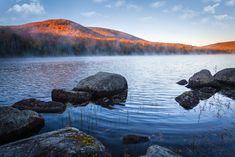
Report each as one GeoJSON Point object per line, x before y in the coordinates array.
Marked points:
{"type": "Point", "coordinates": [150, 108]}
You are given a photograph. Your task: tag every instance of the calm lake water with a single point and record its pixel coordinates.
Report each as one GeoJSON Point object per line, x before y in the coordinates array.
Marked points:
{"type": "Point", "coordinates": [206, 130]}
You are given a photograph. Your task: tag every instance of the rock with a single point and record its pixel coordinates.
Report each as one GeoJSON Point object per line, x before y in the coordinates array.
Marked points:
{"type": "Point", "coordinates": [73, 97]}
{"type": "Point", "coordinates": [182, 82]}
{"type": "Point", "coordinates": [103, 84]}
{"type": "Point", "coordinates": [226, 77]}
{"type": "Point", "coordinates": [206, 92]}
{"type": "Point", "coordinates": [105, 102]}
{"type": "Point", "coordinates": [134, 139]}
{"type": "Point", "coordinates": [202, 78]}
{"type": "Point", "coordinates": [40, 106]}
{"type": "Point", "coordinates": [158, 151]}
{"type": "Point", "coordinates": [228, 92]}
{"type": "Point", "coordinates": [112, 100]}
{"type": "Point", "coordinates": [188, 100]}
{"type": "Point", "coordinates": [16, 124]}
{"type": "Point", "coordinates": [67, 142]}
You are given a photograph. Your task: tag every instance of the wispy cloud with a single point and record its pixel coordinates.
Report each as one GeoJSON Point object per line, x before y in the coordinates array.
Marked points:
{"type": "Point", "coordinates": [188, 14]}
{"type": "Point", "coordinates": [134, 7]}
{"type": "Point", "coordinates": [33, 7]}
{"type": "Point", "coordinates": [184, 13]}
{"type": "Point", "coordinates": [99, 1]}
{"type": "Point", "coordinates": [230, 3]}
{"type": "Point", "coordinates": [211, 8]}
{"type": "Point", "coordinates": [146, 18]}
{"type": "Point", "coordinates": [176, 8]}
{"type": "Point", "coordinates": [223, 17]}
{"type": "Point", "coordinates": [90, 14]}
{"type": "Point", "coordinates": [120, 3]}
{"type": "Point", "coordinates": [158, 4]}
{"type": "Point", "coordinates": [124, 4]}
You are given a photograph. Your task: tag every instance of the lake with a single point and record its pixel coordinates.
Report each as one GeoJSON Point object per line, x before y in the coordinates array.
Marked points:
{"type": "Point", "coordinates": [150, 109]}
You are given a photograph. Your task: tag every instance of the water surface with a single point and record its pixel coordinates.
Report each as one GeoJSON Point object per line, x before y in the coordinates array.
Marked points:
{"type": "Point", "coordinates": [206, 130]}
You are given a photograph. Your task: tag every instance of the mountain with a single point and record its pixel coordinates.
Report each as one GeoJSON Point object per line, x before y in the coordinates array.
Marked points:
{"type": "Point", "coordinates": [109, 33]}
{"type": "Point", "coordinates": [60, 37]}
{"type": "Point", "coordinates": [223, 46]}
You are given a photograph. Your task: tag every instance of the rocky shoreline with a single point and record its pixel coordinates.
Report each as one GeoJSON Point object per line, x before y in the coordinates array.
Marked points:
{"type": "Point", "coordinates": [22, 121]}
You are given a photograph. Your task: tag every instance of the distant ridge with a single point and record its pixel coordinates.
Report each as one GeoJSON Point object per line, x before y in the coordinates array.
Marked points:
{"type": "Point", "coordinates": [223, 46]}
{"type": "Point", "coordinates": [61, 37]}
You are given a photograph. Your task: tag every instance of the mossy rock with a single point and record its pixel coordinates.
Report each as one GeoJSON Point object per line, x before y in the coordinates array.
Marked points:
{"type": "Point", "coordinates": [69, 142]}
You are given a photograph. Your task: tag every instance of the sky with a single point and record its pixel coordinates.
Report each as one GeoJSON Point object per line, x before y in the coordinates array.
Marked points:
{"type": "Point", "coordinates": [194, 22]}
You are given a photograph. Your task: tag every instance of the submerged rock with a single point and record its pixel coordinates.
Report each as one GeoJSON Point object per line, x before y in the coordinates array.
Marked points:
{"type": "Point", "coordinates": [202, 78]}
{"type": "Point", "coordinates": [182, 82]}
{"type": "Point", "coordinates": [69, 142]}
{"type": "Point", "coordinates": [158, 151]}
{"type": "Point", "coordinates": [16, 124]}
{"type": "Point", "coordinates": [103, 84]}
{"type": "Point", "coordinates": [73, 97]}
{"type": "Point", "coordinates": [188, 100]}
{"type": "Point", "coordinates": [226, 77]}
{"type": "Point", "coordinates": [40, 106]}
{"type": "Point", "coordinates": [134, 139]}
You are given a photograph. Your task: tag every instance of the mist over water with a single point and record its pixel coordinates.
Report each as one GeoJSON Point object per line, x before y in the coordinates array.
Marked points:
{"type": "Point", "coordinates": [206, 130]}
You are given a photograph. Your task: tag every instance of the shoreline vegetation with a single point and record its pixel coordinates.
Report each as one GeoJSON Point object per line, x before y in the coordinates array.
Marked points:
{"type": "Point", "coordinates": [105, 89]}
{"type": "Point", "coordinates": [60, 37]}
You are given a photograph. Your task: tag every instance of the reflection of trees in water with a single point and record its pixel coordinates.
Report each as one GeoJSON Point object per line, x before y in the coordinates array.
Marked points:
{"type": "Point", "coordinates": [217, 105]}
{"type": "Point", "coordinates": [218, 143]}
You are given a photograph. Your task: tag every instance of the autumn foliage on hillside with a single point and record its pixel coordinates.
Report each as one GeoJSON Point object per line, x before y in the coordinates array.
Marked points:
{"type": "Point", "coordinates": [64, 37]}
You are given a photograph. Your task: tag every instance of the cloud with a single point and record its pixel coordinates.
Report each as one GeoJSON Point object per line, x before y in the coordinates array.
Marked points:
{"type": "Point", "coordinates": [158, 4]}
{"type": "Point", "coordinates": [120, 3]}
{"type": "Point", "coordinates": [222, 17]}
{"type": "Point", "coordinates": [34, 7]}
{"type": "Point", "coordinates": [124, 4]}
{"type": "Point", "coordinates": [99, 1]}
{"type": "Point", "coordinates": [90, 14]}
{"type": "Point", "coordinates": [176, 8]}
{"type": "Point", "coordinates": [146, 18]}
{"type": "Point", "coordinates": [133, 7]}
{"type": "Point", "coordinates": [230, 3]}
{"type": "Point", "coordinates": [188, 14]}
{"type": "Point", "coordinates": [211, 8]}
{"type": "Point", "coordinates": [116, 4]}
{"type": "Point", "coordinates": [205, 20]}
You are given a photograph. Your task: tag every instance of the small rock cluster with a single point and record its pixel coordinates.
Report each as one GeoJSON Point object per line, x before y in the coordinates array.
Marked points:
{"type": "Point", "coordinates": [203, 85]}
{"type": "Point", "coordinates": [105, 89]}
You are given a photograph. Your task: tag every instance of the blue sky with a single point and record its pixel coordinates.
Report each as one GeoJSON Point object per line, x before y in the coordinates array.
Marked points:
{"type": "Point", "coordinates": [196, 22]}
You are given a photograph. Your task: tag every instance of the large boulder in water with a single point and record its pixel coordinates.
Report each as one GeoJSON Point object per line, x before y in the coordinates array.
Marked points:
{"type": "Point", "coordinates": [226, 77]}
{"type": "Point", "coordinates": [103, 84]}
{"type": "Point", "coordinates": [158, 151]}
{"type": "Point", "coordinates": [202, 78]}
{"type": "Point", "coordinates": [68, 142]}
{"type": "Point", "coordinates": [188, 100]}
{"type": "Point", "coordinates": [73, 97]}
{"type": "Point", "coordinates": [16, 124]}
{"type": "Point", "coordinates": [40, 106]}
